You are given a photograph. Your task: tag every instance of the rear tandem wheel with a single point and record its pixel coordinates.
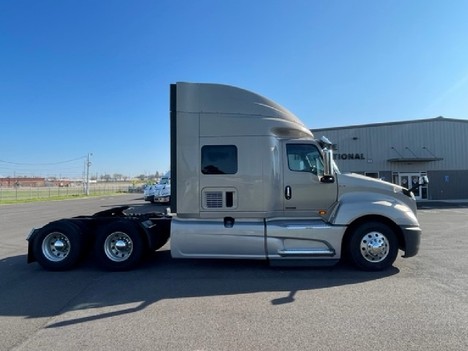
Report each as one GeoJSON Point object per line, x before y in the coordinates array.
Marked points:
{"type": "Point", "coordinates": [119, 246]}
{"type": "Point", "coordinates": [58, 245]}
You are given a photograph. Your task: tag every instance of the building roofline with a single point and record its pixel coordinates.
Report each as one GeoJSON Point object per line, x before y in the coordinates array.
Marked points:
{"type": "Point", "coordinates": [435, 119]}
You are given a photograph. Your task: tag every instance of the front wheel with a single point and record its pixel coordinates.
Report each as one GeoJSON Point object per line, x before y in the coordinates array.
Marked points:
{"type": "Point", "coordinates": [119, 246]}
{"type": "Point", "coordinates": [373, 246]}
{"type": "Point", "coordinates": [58, 245]}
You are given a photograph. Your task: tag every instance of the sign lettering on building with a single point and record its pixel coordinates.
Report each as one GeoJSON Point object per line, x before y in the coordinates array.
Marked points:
{"type": "Point", "coordinates": [349, 156]}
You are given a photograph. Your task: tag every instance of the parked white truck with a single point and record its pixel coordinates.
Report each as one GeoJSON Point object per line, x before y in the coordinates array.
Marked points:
{"type": "Point", "coordinates": [162, 192]}
{"type": "Point", "coordinates": [249, 181]}
{"type": "Point", "coordinates": [159, 192]}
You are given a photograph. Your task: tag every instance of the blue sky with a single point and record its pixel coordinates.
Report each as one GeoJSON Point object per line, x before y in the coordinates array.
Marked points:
{"type": "Point", "coordinates": [92, 76]}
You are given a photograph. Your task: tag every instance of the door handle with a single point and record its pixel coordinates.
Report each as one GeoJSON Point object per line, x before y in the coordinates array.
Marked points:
{"type": "Point", "coordinates": [287, 192]}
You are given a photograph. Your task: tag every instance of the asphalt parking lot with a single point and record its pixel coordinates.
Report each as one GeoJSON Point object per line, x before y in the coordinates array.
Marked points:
{"type": "Point", "coordinates": [167, 304]}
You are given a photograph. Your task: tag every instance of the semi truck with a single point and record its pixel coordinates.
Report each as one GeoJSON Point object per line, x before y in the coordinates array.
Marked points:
{"type": "Point", "coordinates": [249, 181]}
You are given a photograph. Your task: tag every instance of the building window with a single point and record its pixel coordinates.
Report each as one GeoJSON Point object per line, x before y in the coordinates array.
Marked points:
{"type": "Point", "coordinates": [219, 159]}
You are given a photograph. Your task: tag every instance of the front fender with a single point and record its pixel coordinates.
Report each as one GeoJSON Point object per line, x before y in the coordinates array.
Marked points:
{"type": "Point", "coordinates": [352, 206]}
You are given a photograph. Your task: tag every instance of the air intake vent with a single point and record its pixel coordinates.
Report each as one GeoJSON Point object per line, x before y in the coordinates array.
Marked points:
{"type": "Point", "coordinates": [219, 199]}
{"type": "Point", "coordinates": [214, 199]}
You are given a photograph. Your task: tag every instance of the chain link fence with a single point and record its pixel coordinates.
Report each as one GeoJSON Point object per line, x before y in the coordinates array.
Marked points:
{"type": "Point", "coordinates": [21, 193]}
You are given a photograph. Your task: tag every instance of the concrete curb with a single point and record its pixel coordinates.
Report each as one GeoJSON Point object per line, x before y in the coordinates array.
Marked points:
{"type": "Point", "coordinates": [427, 204]}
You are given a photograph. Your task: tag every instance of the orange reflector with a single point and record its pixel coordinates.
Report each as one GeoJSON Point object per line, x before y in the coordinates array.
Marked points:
{"type": "Point", "coordinates": [322, 212]}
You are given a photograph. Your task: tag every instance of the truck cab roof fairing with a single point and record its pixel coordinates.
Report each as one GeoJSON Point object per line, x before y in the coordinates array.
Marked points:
{"type": "Point", "coordinates": [263, 116]}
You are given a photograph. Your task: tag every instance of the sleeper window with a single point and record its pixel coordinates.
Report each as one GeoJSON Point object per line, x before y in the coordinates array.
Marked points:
{"type": "Point", "coordinates": [219, 159]}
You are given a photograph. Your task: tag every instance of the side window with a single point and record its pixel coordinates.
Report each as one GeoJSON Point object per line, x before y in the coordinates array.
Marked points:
{"type": "Point", "coordinates": [219, 159]}
{"type": "Point", "coordinates": [304, 158]}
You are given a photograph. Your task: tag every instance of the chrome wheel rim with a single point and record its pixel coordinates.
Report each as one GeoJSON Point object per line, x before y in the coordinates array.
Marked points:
{"type": "Point", "coordinates": [56, 246]}
{"type": "Point", "coordinates": [374, 247]}
{"type": "Point", "coordinates": [118, 246]}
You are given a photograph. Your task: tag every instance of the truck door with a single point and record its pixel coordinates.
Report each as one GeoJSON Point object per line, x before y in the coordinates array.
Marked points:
{"type": "Point", "coordinates": [303, 193]}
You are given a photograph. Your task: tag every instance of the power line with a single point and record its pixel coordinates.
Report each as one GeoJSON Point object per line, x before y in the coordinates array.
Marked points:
{"type": "Point", "coordinates": [43, 164]}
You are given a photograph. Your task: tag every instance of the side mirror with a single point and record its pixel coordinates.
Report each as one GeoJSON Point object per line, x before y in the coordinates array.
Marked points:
{"type": "Point", "coordinates": [424, 180]}
{"type": "Point", "coordinates": [328, 176]}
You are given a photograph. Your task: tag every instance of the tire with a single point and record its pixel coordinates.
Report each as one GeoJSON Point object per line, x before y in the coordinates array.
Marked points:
{"type": "Point", "coordinates": [373, 246]}
{"type": "Point", "coordinates": [58, 245]}
{"type": "Point", "coordinates": [119, 246]}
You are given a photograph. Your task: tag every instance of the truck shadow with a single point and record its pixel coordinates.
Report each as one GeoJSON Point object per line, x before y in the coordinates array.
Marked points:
{"type": "Point", "coordinates": [29, 291]}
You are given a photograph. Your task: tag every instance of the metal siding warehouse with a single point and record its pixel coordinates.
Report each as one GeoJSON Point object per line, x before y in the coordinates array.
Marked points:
{"type": "Point", "coordinates": [400, 152]}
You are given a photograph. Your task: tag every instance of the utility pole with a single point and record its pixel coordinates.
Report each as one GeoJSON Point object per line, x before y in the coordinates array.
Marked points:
{"type": "Point", "coordinates": [88, 164]}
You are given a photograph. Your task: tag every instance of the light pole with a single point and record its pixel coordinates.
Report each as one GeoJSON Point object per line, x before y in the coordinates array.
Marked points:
{"type": "Point", "coordinates": [88, 164]}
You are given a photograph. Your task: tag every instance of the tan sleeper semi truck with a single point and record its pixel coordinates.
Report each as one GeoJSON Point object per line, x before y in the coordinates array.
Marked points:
{"type": "Point", "coordinates": [249, 181]}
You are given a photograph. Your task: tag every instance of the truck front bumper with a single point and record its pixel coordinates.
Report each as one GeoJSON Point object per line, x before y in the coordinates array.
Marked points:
{"type": "Point", "coordinates": [162, 199]}
{"type": "Point", "coordinates": [412, 239]}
